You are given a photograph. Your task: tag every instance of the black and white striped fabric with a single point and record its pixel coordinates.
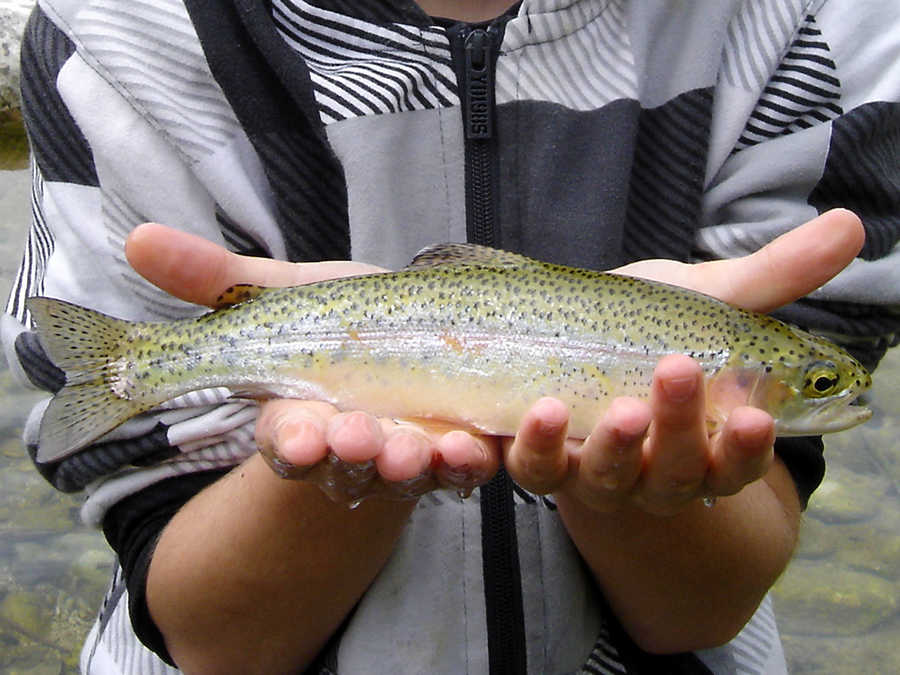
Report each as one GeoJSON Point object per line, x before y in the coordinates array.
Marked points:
{"type": "Point", "coordinates": [802, 92]}
{"type": "Point", "coordinates": [544, 59]}
{"type": "Point", "coordinates": [308, 130]}
{"type": "Point", "coordinates": [110, 646]}
{"type": "Point", "coordinates": [360, 68]}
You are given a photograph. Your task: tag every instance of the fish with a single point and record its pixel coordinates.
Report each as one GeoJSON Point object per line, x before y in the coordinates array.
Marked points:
{"type": "Point", "coordinates": [465, 335]}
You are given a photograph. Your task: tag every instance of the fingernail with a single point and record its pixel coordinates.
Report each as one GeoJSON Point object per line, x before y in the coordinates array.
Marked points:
{"type": "Point", "coordinates": [552, 418]}
{"type": "Point", "coordinates": [355, 436]}
{"type": "Point", "coordinates": [679, 389]}
{"type": "Point", "coordinates": [548, 428]}
{"type": "Point", "coordinates": [294, 428]}
{"type": "Point", "coordinates": [463, 438]}
{"type": "Point", "coordinates": [624, 439]}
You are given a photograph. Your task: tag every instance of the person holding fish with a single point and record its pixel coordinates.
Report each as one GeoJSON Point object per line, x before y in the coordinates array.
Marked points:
{"type": "Point", "coordinates": [495, 459]}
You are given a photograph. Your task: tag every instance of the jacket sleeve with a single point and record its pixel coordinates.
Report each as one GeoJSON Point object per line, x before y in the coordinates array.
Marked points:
{"type": "Point", "coordinates": [102, 165]}
{"type": "Point", "coordinates": [808, 119]}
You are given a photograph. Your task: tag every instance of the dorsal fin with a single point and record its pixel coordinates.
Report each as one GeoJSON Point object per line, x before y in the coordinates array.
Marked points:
{"type": "Point", "coordinates": [235, 295]}
{"type": "Point", "coordinates": [467, 254]}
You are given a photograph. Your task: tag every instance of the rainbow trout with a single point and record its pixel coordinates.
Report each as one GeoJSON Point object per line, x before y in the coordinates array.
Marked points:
{"type": "Point", "coordinates": [467, 335]}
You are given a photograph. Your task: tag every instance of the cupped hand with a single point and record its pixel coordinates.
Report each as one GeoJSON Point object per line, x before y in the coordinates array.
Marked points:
{"type": "Point", "coordinates": [350, 455]}
{"type": "Point", "coordinates": [657, 455]}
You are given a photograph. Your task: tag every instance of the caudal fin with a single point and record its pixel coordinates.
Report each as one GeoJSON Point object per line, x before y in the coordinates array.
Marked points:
{"type": "Point", "coordinates": [84, 344]}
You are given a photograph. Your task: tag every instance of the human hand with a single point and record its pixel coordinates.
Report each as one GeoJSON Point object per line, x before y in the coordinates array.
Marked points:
{"type": "Point", "coordinates": [350, 455]}
{"type": "Point", "coordinates": [657, 455]}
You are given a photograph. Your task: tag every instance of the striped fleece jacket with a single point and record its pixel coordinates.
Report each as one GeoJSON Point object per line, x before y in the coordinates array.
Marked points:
{"type": "Point", "coordinates": [589, 132]}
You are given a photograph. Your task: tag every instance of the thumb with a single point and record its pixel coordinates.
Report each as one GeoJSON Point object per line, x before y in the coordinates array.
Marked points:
{"type": "Point", "coordinates": [197, 270]}
{"type": "Point", "coordinates": [789, 267]}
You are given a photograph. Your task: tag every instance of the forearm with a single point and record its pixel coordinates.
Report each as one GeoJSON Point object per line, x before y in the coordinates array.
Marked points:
{"type": "Point", "coordinates": [691, 580]}
{"type": "Point", "coordinates": [255, 573]}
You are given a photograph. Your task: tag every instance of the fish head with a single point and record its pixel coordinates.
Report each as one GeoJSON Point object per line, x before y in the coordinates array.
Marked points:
{"type": "Point", "coordinates": [808, 384]}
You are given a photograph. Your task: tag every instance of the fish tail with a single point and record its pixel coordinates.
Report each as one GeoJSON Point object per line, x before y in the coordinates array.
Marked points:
{"type": "Point", "coordinates": [85, 345]}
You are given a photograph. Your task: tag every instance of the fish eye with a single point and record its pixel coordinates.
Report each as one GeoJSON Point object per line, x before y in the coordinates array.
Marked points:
{"type": "Point", "coordinates": [822, 378]}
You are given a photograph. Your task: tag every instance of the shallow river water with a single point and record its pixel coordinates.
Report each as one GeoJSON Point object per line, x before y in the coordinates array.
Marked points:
{"type": "Point", "coordinates": [838, 604]}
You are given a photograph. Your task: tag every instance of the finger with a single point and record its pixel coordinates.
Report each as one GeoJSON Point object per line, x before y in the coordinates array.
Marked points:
{"type": "Point", "coordinates": [417, 459]}
{"type": "Point", "coordinates": [294, 431]}
{"type": "Point", "coordinates": [742, 452]}
{"type": "Point", "coordinates": [466, 461]}
{"type": "Point", "coordinates": [197, 270]}
{"type": "Point", "coordinates": [793, 265]}
{"type": "Point", "coordinates": [407, 454]}
{"type": "Point", "coordinates": [612, 456]}
{"type": "Point", "coordinates": [194, 269]}
{"type": "Point", "coordinates": [678, 452]}
{"type": "Point", "coordinates": [537, 459]}
{"type": "Point", "coordinates": [355, 437]}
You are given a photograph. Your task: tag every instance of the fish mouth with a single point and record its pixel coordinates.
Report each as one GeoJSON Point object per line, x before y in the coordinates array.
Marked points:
{"type": "Point", "coordinates": [827, 416]}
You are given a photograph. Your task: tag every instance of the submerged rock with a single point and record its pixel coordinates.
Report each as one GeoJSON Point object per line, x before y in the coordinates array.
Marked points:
{"type": "Point", "coordinates": [13, 141]}
{"type": "Point", "coordinates": [847, 496]}
{"type": "Point", "coordinates": [25, 613]}
{"type": "Point", "coordinates": [816, 540]}
{"type": "Point", "coordinates": [872, 546]}
{"type": "Point", "coordinates": [825, 598]}
{"type": "Point", "coordinates": [875, 652]}
{"type": "Point", "coordinates": [91, 572]}
{"type": "Point", "coordinates": [13, 15]}
{"type": "Point", "coordinates": [39, 631]}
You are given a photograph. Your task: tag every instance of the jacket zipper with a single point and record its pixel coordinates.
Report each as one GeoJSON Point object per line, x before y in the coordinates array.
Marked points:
{"type": "Point", "coordinates": [474, 51]}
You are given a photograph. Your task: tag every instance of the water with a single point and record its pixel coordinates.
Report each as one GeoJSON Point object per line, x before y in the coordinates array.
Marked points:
{"type": "Point", "coordinates": [53, 570]}
{"type": "Point", "coordinates": [838, 605]}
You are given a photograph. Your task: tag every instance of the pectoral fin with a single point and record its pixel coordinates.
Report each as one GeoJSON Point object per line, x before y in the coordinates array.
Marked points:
{"type": "Point", "coordinates": [235, 295]}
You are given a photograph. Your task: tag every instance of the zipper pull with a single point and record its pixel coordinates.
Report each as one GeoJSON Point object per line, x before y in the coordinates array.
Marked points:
{"type": "Point", "coordinates": [479, 84]}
